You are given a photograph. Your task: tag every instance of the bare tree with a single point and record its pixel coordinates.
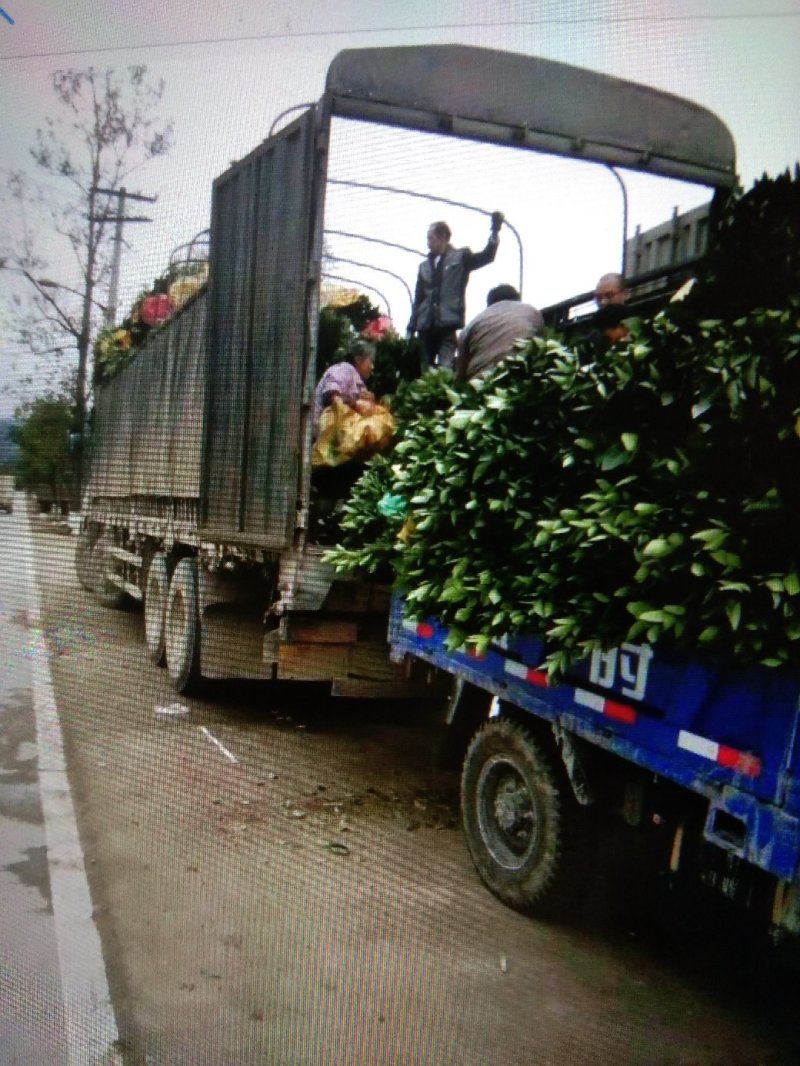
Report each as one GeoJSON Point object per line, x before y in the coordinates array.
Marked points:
{"type": "Point", "coordinates": [107, 127]}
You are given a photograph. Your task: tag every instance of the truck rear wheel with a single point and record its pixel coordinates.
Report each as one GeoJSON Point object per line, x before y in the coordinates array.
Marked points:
{"type": "Point", "coordinates": [99, 568]}
{"type": "Point", "coordinates": [520, 819]}
{"type": "Point", "coordinates": [156, 589]}
{"type": "Point", "coordinates": [83, 560]}
{"type": "Point", "coordinates": [182, 628]}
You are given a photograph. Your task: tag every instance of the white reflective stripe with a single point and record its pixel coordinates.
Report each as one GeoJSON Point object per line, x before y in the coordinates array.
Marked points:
{"type": "Point", "coordinates": [590, 699]}
{"type": "Point", "coordinates": [708, 749]}
{"type": "Point", "coordinates": [519, 670]}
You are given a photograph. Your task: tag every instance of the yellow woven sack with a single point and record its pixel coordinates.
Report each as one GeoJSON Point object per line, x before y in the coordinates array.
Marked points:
{"type": "Point", "coordinates": [345, 434]}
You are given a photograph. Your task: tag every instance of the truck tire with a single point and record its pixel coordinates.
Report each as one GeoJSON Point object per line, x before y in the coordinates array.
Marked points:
{"type": "Point", "coordinates": [182, 628]}
{"type": "Point", "coordinates": [156, 588]}
{"type": "Point", "coordinates": [109, 594]}
{"type": "Point", "coordinates": [521, 821]}
{"type": "Point", "coordinates": [84, 567]}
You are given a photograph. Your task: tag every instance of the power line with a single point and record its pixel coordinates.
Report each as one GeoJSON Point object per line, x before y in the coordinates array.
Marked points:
{"type": "Point", "coordinates": [362, 31]}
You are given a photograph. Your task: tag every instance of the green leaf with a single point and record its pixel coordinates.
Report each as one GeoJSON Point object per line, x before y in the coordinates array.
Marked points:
{"type": "Point", "coordinates": [727, 559]}
{"type": "Point", "coordinates": [613, 458]}
{"type": "Point", "coordinates": [459, 420]}
{"type": "Point", "coordinates": [630, 441]}
{"type": "Point", "coordinates": [637, 608]}
{"type": "Point", "coordinates": [711, 538]}
{"type": "Point", "coordinates": [709, 634]}
{"type": "Point", "coordinates": [734, 613]}
{"type": "Point", "coordinates": [658, 548]}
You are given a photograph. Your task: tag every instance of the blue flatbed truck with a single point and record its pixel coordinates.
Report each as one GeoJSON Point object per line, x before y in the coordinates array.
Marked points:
{"type": "Point", "coordinates": [707, 754]}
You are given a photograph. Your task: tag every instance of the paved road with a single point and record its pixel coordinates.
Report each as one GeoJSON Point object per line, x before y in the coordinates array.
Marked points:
{"type": "Point", "coordinates": [31, 1020]}
{"type": "Point", "coordinates": [279, 879]}
{"type": "Point", "coordinates": [54, 994]}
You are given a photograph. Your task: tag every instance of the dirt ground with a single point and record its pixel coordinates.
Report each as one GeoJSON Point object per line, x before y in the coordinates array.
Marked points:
{"type": "Point", "coordinates": [280, 879]}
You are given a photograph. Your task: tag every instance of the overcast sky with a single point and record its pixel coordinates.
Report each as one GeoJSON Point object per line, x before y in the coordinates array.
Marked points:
{"type": "Point", "coordinates": [230, 67]}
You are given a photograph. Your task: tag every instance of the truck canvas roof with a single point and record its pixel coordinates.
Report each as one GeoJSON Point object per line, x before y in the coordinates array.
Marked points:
{"type": "Point", "coordinates": [543, 105]}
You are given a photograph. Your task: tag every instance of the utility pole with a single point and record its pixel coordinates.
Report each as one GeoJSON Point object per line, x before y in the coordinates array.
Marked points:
{"type": "Point", "coordinates": [111, 307]}
{"type": "Point", "coordinates": [119, 219]}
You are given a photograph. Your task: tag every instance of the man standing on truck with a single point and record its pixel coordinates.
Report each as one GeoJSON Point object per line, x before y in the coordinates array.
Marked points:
{"type": "Point", "coordinates": [438, 307]}
{"type": "Point", "coordinates": [490, 336]}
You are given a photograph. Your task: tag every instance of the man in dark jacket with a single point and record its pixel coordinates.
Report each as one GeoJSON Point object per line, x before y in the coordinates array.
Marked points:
{"type": "Point", "coordinates": [438, 308]}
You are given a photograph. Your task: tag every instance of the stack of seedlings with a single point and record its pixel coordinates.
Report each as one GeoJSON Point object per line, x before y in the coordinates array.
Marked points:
{"type": "Point", "coordinates": [649, 494]}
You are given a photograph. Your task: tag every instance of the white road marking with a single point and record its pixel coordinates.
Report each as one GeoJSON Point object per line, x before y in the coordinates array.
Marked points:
{"type": "Point", "coordinates": [89, 1014]}
{"type": "Point", "coordinates": [220, 745]}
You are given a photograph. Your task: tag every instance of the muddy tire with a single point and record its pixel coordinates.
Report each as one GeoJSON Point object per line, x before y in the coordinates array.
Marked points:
{"type": "Point", "coordinates": [101, 565]}
{"type": "Point", "coordinates": [182, 629]}
{"type": "Point", "coordinates": [522, 824]}
{"type": "Point", "coordinates": [156, 590]}
{"type": "Point", "coordinates": [84, 566]}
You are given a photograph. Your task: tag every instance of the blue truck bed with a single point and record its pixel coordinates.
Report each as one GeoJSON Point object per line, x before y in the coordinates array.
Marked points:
{"type": "Point", "coordinates": [728, 735]}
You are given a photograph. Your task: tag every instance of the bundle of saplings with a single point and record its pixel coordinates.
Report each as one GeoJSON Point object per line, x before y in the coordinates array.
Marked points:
{"type": "Point", "coordinates": [652, 494]}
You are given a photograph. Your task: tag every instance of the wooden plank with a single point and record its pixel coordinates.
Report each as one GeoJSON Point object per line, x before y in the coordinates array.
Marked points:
{"type": "Point", "coordinates": [358, 596]}
{"type": "Point", "coordinates": [323, 632]}
{"type": "Point", "coordinates": [313, 662]}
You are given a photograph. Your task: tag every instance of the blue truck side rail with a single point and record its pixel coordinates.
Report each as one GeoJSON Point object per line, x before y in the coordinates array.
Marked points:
{"type": "Point", "coordinates": [728, 735]}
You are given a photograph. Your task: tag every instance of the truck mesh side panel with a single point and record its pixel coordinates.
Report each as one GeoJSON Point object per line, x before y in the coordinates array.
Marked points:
{"type": "Point", "coordinates": [148, 419]}
{"type": "Point", "coordinates": [149, 382]}
{"type": "Point", "coordinates": [186, 398]}
{"type": "Point", "coordinates": [261, 218]}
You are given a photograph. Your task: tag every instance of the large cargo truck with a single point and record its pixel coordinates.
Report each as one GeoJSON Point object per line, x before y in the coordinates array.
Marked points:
{"type": "Point", "coordinates": [198, 504]}
{"type": "Point", "coordinates": [199, 488]}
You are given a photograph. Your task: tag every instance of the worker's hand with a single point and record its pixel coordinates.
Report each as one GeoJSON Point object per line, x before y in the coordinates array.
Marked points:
{"type": "Point", "coordinates": [498, 218]}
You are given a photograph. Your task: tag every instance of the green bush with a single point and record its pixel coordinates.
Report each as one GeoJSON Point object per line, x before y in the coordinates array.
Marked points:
{"type": "Point", "coordinates": [649, 495]}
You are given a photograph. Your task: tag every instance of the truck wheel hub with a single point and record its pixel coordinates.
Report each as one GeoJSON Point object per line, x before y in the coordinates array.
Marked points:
{"type": "Point", "coordinates": [511, 807]}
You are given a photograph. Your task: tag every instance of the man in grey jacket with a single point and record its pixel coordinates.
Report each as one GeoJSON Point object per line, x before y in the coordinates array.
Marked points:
{"type": "Point", "coordinates": [439, 300]}
{"type": "Point", "coordinates": [493, 333]}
